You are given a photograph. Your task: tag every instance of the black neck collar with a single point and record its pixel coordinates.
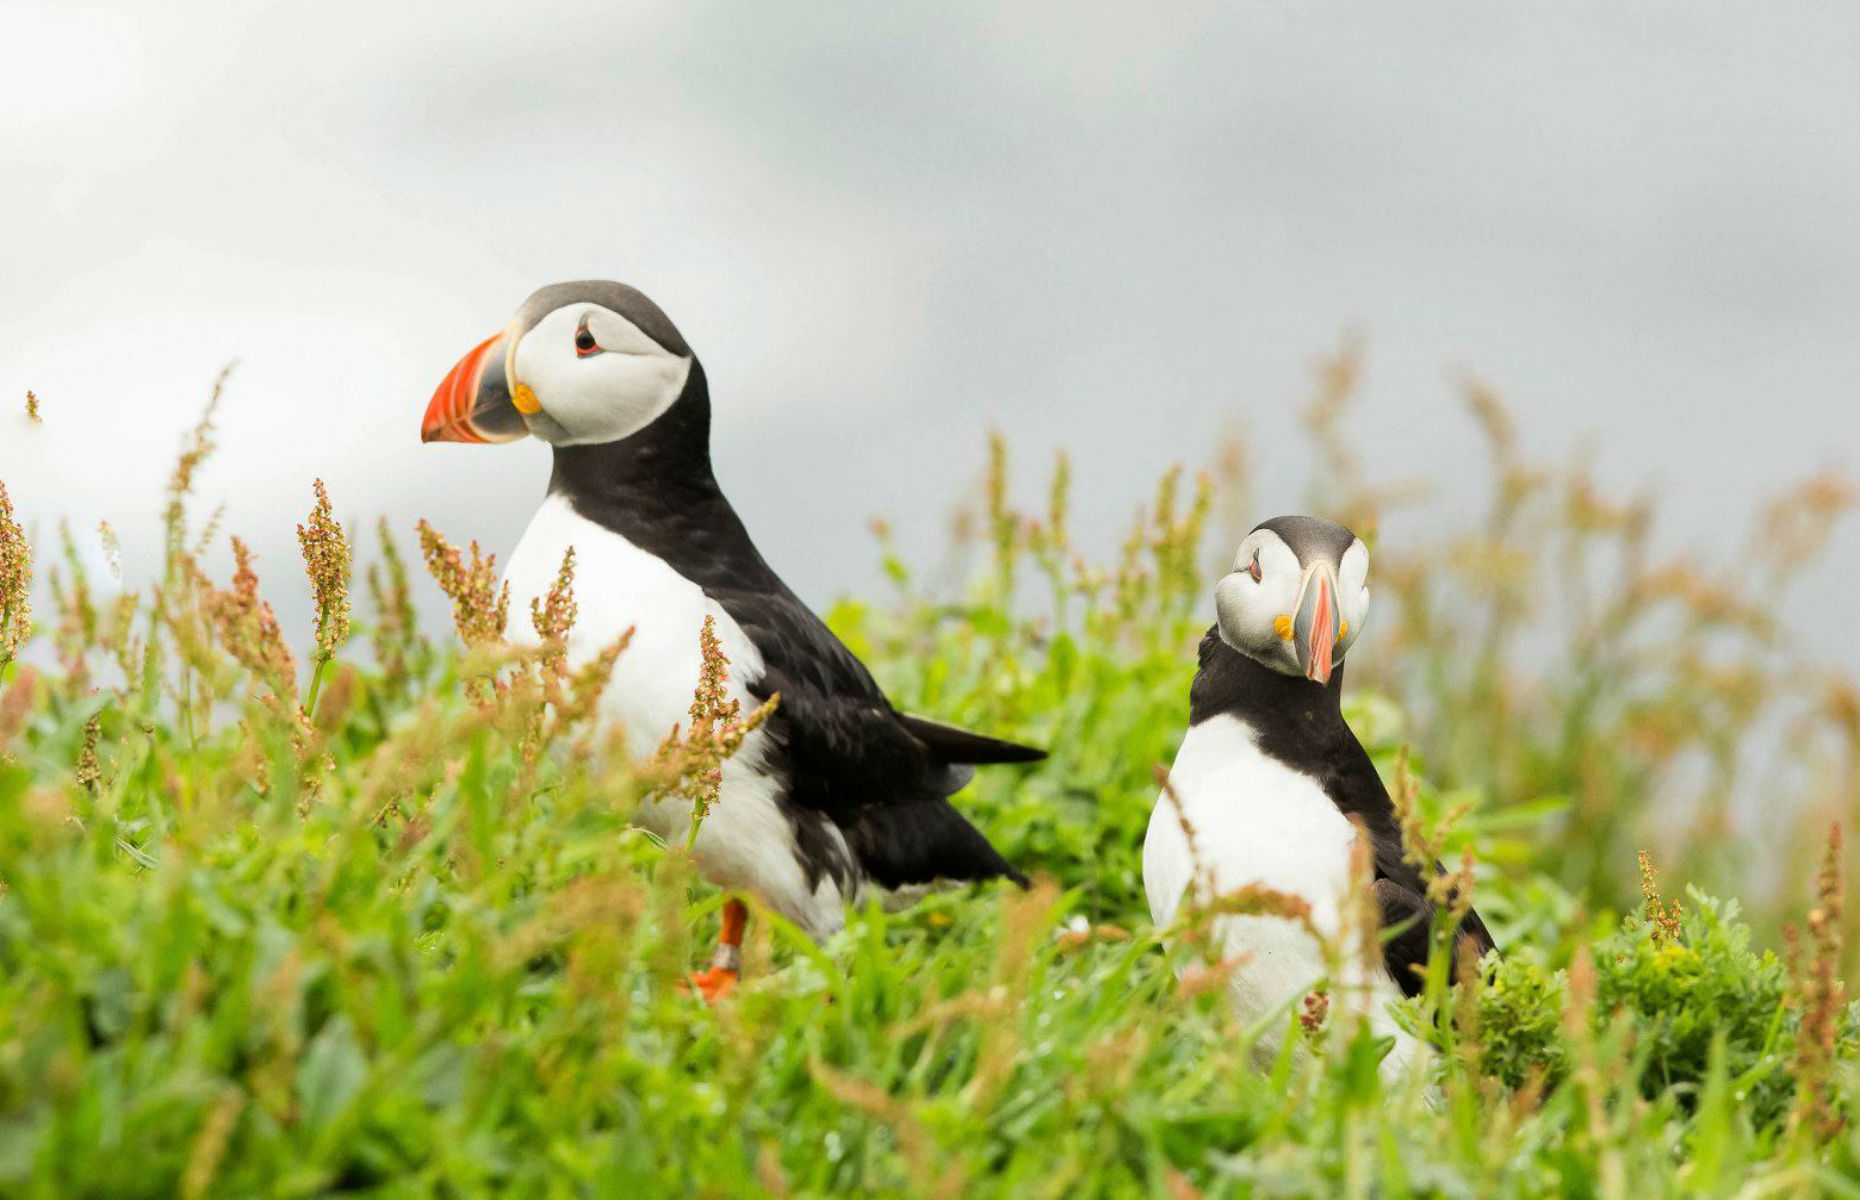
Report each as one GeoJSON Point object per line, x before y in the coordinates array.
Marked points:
{"type": "Point", "coordinates": [656, 489]}
{"type": "Point", "coordinates": [670, 457]}
{"type": "Point", "coordinates": [1229, 683]}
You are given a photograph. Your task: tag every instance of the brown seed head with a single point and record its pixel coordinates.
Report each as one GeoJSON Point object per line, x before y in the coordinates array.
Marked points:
{"type": "Point", "coordinates": [15, 582]}
{"type": "Point", "coordinates": [326, 562]}
{"type": "Point", "coordinates": [480, 607]}
{"type": "Point", "coordinates": [694, 762]}
{"type": "Point", "coordinates": [89, 769]}
{"type": "Point", "coordinates": [396, 634]}
{"type": "Point", "coordinates": [1823, 999]}
{"type": "Point", "coordinates": [248, 628]}
{"type": "Point", "coordinates": [1662, 918]}
{"type": "Point", "coordinates": [1316, 1008]}
{"type": "Point", "coordinates": [112, 549]}
{"type": "Point", "coordinates": [1796, 525]}
{"type": "Point", "coordinates": [195, 448]}
{"type": "Point", "coordinates": [554, 615]}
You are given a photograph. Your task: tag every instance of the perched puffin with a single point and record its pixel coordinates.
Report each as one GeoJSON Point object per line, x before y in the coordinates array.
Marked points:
{"type": "Point", "coordinates": [1272, 788]}
{"type": "Point", "coordinates": [839, 796]}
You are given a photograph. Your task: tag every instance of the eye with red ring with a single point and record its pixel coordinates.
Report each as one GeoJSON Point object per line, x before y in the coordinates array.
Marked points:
{"type": "Point", "coordinates": [1253, 570]}
{"type": "Point", "coordinates": [585, 345]}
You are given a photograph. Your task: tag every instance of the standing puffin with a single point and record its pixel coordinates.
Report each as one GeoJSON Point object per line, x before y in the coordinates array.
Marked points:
{"type": "Point", "coordinates": [839, 796]}
{"type": "Point", "coordinates": [1270, 786]}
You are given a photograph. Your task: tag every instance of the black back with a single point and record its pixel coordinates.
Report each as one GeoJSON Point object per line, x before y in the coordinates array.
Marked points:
{"type": "Point", "coordinates": [849, 757]}
{"type": "Point", "coordinates": [1301, 724]}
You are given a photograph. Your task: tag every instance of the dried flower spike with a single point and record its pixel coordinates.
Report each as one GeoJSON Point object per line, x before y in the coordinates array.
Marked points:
{"type": "Point", "coordinates": [89, 774]}
{"type": "Point", "coordinates": [554, 615]}
{"type": "Point", "coordinates": [399, 647]}
{"type": "Point", "coordinates": [718, 728]}
{"type": "Point", "coordinates": [75, 632]}
{"type": "Point", "coordinates": [480, 606]}
{"type": "Point", "coordinates": [195, 448]}
{"type": "Point", "coordinates": [32, 408]}
{"type": "Point", "coordinates": [1823, 998]}
{"type": "Point", "coordinates": [1316, 1009]}
{"type": "Point", "coordinates": [249, 629]}
{"type": "Point", "coordinates": [112, 549]}
{"type": "Point", "coordinates": [1662, 918]}
{"type": "Point", "coordinates": [326, 561]}
{"type": "Point", "coordinates": [15, 582]}
{"type": "Point", "coordinates": [16, 706]}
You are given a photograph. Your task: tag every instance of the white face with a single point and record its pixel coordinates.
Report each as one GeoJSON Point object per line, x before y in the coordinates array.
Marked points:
{"type": "Point", "coordinates": [585, 375]}
{"type": "Point", "coordinates": [1259, 603]}
{"type": "Point", "coordinates": [1352, 594]}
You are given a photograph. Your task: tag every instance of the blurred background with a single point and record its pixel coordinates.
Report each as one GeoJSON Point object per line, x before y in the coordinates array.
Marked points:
{"type": "Point", "coordinates": [1142, 237]}
{"type": "Point", "coordinates": [1559, 304]}
{"type": "Point", "coordinates": [888, 229]}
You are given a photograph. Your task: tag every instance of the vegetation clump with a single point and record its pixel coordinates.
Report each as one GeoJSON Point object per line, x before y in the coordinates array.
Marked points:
{"type": "Point", "coordinates": [399, 936]}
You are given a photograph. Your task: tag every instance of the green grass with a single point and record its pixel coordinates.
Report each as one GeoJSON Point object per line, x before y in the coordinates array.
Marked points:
{"type": "Point", "coordinates": [409, 945]}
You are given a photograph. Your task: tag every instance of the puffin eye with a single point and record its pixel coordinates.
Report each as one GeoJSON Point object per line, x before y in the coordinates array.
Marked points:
{"type": "Point", "coordinates": [585, 345]}
{"type": "Point", "coordinates": [1254, 569]}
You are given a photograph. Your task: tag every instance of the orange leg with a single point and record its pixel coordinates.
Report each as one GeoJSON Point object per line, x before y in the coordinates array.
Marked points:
{"type": "Point", "coordinates": [727, 966]}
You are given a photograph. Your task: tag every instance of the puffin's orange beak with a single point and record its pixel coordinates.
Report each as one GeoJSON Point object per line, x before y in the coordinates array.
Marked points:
{"type": "Point", "coordinates": [473, 401]}
{"type": "Point", "coordinates": [1314, 629]}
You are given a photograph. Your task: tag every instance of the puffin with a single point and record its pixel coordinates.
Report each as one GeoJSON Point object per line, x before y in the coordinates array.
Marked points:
{"type": "Point", "coordinates": [1271, 788]}
{"type": "Point", "coordinates": [838, 797]}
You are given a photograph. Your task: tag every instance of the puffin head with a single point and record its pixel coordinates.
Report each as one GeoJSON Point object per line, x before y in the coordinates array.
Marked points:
{"type": "Point", "coordinates": [581, 363]}
{"type": "Point", "coordinates": [1297, 596]}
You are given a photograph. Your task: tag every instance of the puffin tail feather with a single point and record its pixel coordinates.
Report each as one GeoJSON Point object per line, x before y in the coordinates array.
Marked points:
{"type": "Point", "coordinates": [901, 845]}
{"type": "Point", "coordinates": [963, 748]}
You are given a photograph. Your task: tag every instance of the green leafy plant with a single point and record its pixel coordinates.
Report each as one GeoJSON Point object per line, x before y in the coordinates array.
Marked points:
{"type": "Point", "coordinates": [403, 940]}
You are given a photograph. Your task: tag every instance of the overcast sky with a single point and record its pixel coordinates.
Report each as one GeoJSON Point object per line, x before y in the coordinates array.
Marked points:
{"type": "Point", "coordinates": [1120, 229]}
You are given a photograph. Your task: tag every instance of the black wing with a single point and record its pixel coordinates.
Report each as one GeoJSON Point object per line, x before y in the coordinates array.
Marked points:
{"type": "Point", "coordinates": [882, 777]}
{"type": "Point", "coordinates": [853, 760]}
{"type": "Point", "coordinates": [1401, 894]}
{"type": "Point", "coordinates": [1303, 727]}
{"type": "Point", "coordinates": [1407, 917]}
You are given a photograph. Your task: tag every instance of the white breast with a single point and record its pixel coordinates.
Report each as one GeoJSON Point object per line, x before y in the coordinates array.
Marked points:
{"type": "Point", "coordinates": [1255, 821]}
{"type": "Point", "coordinates": [746, 842]}
{"type": "Point", "coordinates": [618, 585]}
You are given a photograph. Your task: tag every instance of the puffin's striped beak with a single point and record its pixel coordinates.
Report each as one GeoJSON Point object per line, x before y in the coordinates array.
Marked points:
{"type": "Point", "coordinates": [1314, 629]}
{"type": "Point", "coordinates": [473, 401]}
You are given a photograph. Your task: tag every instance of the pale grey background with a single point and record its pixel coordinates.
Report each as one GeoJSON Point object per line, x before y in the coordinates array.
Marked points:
{"type": "Point", "coordinates": [1114, 228]}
